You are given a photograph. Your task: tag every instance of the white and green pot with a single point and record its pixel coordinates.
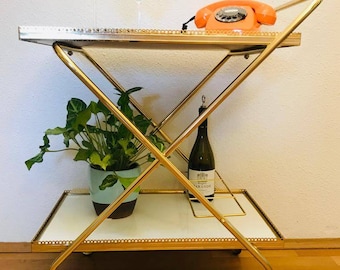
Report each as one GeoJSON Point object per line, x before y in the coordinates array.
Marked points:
{"type": "Point", "coordinates": [103, 198]}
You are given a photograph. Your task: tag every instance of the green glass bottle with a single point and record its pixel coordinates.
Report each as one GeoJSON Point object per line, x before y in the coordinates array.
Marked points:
{"type": "Point", "coordinates": [201, 165]}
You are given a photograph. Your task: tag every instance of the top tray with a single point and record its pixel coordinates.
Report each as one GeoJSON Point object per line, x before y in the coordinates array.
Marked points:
{"type": "Point", "coordinates": [234, 41]}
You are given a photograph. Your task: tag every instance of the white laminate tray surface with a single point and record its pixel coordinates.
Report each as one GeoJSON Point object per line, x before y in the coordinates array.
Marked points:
{"type": "Point", "coordinates": [156, 216]}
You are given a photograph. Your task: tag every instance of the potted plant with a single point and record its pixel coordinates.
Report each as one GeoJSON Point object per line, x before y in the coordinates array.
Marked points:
{"type": "Point", "coordinates": [112, 151]}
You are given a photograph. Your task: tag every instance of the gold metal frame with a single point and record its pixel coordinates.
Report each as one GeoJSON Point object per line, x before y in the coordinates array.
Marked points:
{"type": "Point", "coordinates": [237, 43]}
{"type": "Point", "coordinates": [56, 245]}
{"type": "Point", "coordinates": [219, 196]}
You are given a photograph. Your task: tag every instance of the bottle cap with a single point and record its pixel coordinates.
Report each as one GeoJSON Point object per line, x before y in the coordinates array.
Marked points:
{"type": "Point", "coordinates": [203, 106]}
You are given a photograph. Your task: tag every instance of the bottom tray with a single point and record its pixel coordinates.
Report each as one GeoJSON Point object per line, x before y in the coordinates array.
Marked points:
{"type": "Point", "coordinates": [161, 221]}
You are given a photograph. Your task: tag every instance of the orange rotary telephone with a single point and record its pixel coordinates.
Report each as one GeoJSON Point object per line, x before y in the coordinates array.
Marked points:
{"type": "Point", "coordinates": [235, 15]}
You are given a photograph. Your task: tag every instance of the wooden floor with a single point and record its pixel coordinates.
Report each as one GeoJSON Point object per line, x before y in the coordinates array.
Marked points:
{"type": "Point", "coordinates": [302, 259]}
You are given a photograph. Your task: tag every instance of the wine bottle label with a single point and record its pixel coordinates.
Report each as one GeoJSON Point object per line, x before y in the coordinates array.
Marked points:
{"type": "Point", "coordinates": [203, 181]}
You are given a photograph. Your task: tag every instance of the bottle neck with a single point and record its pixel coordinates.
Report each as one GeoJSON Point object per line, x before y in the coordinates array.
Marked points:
{"type": "Point", "coordinates": [203, 128]}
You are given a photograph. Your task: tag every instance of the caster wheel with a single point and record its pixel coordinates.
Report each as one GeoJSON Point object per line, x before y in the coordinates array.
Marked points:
{"type": "Point", "coordinates": [236, 251]}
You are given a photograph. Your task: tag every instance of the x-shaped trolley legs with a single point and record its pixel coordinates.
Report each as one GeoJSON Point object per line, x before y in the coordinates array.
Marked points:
{"type": "Point", "coordinates": [161, 158]}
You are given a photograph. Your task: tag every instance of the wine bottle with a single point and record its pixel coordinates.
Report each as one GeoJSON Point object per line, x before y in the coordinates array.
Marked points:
{"type": "Point", "coordinates": [201, 165]}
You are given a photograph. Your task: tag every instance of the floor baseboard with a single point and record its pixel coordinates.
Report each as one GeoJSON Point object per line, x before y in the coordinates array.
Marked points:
{"type": "Point", "coordinates": [317, 243]}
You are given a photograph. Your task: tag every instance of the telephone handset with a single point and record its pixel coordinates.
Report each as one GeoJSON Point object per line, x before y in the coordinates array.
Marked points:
{"type": "Point", "coordinates": [235, 15]}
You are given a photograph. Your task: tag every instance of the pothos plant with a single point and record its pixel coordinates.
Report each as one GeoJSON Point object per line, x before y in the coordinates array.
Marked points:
{"type": "Point", "coordinates": [100, 139]}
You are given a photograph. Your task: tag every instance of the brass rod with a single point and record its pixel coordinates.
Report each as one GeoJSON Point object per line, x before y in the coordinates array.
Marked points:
{"type": "Point", "coordinates": [193, 92]}
{"type": "Point", "coordinates": [139, 108]}
{"type": "Point", "coordinates": [162, 158]}
{"type": "Point", "coordinates": [184, 101]}
{"type": "Point", "coordinates": [159, 126]}
{"type": "Point", "coordinates": [229, 90]}
{"type": "Point", "coordinates": [100, 219]}
{"type": "Point", "coordinates": [79, 73]}
{"type": "Point", "coordinates": [115, 83]}
{"type": "Point", "coordinates": [134, 102]}
{"type": "Point", "coordinates": [289, 4]}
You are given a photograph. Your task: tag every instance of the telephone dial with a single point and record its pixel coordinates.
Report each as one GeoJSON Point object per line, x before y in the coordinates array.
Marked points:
{"type": "Point", "coordinates": [234, 15]}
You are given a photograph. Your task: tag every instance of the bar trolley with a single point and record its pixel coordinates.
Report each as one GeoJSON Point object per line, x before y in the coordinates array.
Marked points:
{"type": "Point", "coordinates": [236, 223]}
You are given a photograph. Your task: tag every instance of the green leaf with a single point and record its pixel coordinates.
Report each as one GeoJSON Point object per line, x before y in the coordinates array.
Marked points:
{"type": "Point", "coordinates": [39, 157]}
{"type": "Point", "coordinates": [126, 182]}
{"type": "Point", "coordinates": [55, 131]}
{"type": "Point", "coordinates": [82, 154]}
{"type": "Point", "coordinates": [74, 107]}
{"type": "Point", "coordinates": [110, 139]}
{"type": "Point", "coordinates": [93, 106]}
{"type": "Point", "coordinates": [102, 108]}
{"type": "Point", "coordinates": [123, 143]}
{"type": "Point", "coordinates": [112, 120]}
{"type": "Point", "coordinates": [128, 147]}
{"type": "Point", "coordinates": [134, 89]}
{"type": "Point", "coordinates": [124, 101]}
{"type": "Point", "coordinates": [69, 135]}
{"type": "Point", "coordinates": [158, 142]}
{"type": "Point", "coordinates": [92, 129]}
{"type": "Point", "coordinates": [81, 119]}
{"type": "Point", "coordinates": [36, 159]}
{"type": "Point", "coordinates": [142, 123]}
{"type": "Point", "coordinates": [124, 132]}
{"type": "Point", "coordinates": [96, 160]}
{"type": "Point", "coordinates": [46, 144]}
{"type": "Point", "coordinates": [150, 158]}
{"type": "Point", "coordinates": [108, 181]}
{"type": "Point", "coordinates": [88, 145]}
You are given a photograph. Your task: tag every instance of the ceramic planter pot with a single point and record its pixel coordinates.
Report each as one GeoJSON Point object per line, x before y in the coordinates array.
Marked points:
{"type": "Point", "coordinates": [103, 198]}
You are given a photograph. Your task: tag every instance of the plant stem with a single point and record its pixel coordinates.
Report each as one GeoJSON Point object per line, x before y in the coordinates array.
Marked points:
{"type": "Point", "coordinates": [61, 150]}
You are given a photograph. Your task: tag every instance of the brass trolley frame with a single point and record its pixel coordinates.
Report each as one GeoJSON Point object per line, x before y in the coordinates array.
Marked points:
{"type": "Point", "coordinates": [65, 41]}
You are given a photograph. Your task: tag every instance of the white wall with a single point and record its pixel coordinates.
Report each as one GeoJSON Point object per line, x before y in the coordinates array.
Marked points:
{"type": "Point", "coordinates": [278, 136]}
